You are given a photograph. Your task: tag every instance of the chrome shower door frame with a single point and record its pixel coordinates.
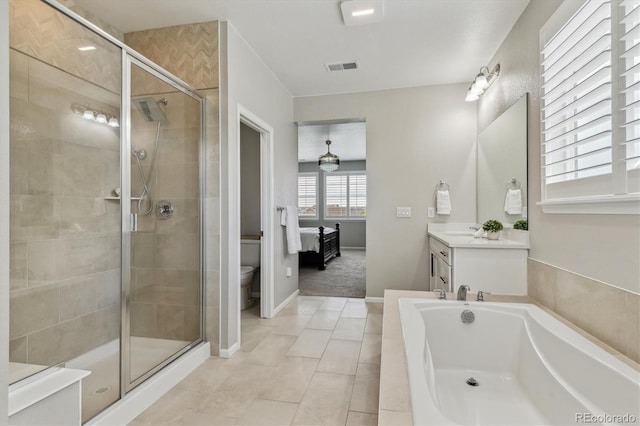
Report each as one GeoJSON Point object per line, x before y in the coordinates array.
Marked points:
{"type": "Point", "coordinates": [128, 60]}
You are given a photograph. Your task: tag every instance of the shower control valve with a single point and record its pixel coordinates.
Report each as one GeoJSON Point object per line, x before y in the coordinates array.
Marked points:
{"type": "Point", "coordinates": [164, 210]}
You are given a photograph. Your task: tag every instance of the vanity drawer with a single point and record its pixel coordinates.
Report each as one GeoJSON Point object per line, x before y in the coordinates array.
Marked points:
{"type": "Point", "coordinates": [441, 250]}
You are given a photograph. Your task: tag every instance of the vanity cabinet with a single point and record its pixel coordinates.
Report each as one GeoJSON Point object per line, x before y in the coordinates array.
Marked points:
{"type": "Point", "coordinates": [456, 258]}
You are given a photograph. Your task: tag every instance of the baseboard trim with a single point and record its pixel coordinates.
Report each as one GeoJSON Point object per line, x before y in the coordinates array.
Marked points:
{"type": "Point", "coordinates": [353, 248]}
{"type": "Point", "coordinates": [374, 299]}
{"type": "Point", "coordinates": [286, 302]}
{"type": "Point", "coordinates": [228, 353]}
{"type": "Point", "coordinates": [141, 398]}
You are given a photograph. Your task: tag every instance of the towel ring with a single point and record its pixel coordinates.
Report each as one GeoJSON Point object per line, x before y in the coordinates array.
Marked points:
{"type": "Point", "coordinates": [513, 184]}
{"type": "Point", "coordinates": [443, 186]}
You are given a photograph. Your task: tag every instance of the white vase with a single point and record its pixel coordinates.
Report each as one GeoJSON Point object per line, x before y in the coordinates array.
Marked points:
{"type": "Point", "coordinates": [493, 235]}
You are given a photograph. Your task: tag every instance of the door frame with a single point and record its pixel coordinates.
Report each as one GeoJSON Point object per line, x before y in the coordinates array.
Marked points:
{"type": "Point", "coordinates": [267, 208]}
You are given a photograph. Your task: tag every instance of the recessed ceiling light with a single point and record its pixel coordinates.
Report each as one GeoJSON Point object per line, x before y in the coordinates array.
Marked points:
{"type": "Point", "coordinates": [86, 48]}
{"type": "Point", "coordinates": [362, 12]}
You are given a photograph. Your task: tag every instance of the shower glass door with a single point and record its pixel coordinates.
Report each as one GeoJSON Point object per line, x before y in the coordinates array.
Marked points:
{"type": "Point", "coordinates": [161, 242]}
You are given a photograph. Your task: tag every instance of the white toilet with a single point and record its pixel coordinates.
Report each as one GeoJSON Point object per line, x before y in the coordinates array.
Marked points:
{"type": "Point", "coordinates": [250, 261]}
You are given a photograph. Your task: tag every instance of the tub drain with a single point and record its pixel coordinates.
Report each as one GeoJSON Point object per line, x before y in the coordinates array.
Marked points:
{"type": "Point", "coordinates": [472, 382]}
{"type": "Point", "coordinates": [102, 389]}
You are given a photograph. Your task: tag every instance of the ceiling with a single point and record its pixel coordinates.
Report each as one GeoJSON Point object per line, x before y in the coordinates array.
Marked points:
{"type": "Point", "coordinates": [348, 141]}
{"type": "Point", "coordinates": [418, 43]}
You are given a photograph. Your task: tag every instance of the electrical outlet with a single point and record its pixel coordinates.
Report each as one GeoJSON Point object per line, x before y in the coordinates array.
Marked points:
{"type": "Point", "coordinates": [289, 272]}
{"type": "Point", "coordinates": [403, 212]}
{"type": "Point", "coordinates": [431, 212]}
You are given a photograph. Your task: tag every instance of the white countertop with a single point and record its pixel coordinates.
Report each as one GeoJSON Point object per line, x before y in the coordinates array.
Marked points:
{"type": "Point", "coordinates": [460, 235]}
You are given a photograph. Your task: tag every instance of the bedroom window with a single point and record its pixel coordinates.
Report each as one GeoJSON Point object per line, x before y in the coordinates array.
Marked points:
{"type": "Point", "coordinates": [345, 195]}
{"type": "Point", "coordinates": [308, 195]}
{"type": "Point", "coordinates": [590, 108]}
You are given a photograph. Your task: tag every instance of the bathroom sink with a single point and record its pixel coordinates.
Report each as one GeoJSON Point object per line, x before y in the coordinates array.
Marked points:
{"type": "Point", "coordinates": [458, 233]}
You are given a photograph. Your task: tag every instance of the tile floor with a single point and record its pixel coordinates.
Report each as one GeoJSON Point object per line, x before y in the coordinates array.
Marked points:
{"type": "Point", "coordinates": [317, 362]}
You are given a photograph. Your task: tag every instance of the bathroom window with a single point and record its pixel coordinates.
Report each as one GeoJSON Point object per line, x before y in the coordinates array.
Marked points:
{"type": "Point", "coordinates": [308, 195]}
{"type": "Point", "coordinates": [346, 195]}
{"type": "Point", "coordinates": [590, 108]}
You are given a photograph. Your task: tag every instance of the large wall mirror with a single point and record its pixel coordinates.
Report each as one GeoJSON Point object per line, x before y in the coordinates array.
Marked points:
{"type": "Point", "coordinates": [502, 167]}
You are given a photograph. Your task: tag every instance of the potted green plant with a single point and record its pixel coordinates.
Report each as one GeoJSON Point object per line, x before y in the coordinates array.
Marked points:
{"type": "Point", "coordinates": [492, 228]}
{"type": "Point", "coordinates": [521, 225]}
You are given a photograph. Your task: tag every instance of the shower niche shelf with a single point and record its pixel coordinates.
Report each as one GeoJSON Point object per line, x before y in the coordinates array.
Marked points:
{"type": "Point", "coordinates": [118, 198]}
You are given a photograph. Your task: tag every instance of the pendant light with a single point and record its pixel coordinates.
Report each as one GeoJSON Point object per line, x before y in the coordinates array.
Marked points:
{"type": "Point", "coordinates": [328, 162]}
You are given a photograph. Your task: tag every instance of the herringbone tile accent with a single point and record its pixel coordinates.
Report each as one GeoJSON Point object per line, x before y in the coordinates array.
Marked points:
{"type": "Point", "coordinates": [38, 30]}
{"type": "Point", "coordinates": [188, 51]}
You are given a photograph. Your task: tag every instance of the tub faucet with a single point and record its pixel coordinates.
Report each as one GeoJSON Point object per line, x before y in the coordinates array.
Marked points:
{"type": "Point", "coordinates": [442, 295]}
{"type": "Point", "coordinates": [462, 292]}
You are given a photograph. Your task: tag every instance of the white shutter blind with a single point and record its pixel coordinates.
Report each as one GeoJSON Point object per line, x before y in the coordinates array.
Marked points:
{"type": "Point", "coordinates": [629, 16]}
{"type": "Point", "coordinates": [576, 99]}
{"type": "Point", "coordinates": [357, 195]}
{"type": "Point", "coordinates": [335, 195]}
{"type": "Point", "coordinates": [308, 195]}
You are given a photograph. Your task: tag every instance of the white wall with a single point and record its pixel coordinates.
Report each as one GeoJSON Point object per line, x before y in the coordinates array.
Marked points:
{"type": "Point", "coordinates": [602, 247]}
{"type": "Point", "coordinates": [4, 209]}
{"type": "Point", "coordinates": [415, 137]}
{"type": "Point", "coordinates": [246, 81]}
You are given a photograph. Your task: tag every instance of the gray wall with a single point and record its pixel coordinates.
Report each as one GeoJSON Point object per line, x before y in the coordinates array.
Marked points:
{"type": "Point", "coordinates": [415, 137]}
{"type": "Point", "coordinates": [249, 181]}
{"type": "Point", "coordinates": [602, 247]}
{"type": "Point", "coordinates": [353, 232]}
{"type": "Point", "coordinates": [246, 82]}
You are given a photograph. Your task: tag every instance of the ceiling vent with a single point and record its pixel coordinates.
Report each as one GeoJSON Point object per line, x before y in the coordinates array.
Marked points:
{"type": "Point", "coordinates": [342, 66]}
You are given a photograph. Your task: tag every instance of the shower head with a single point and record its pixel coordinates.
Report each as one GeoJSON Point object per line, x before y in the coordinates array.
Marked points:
{"type": "Point", "coordinates": [149, 108]}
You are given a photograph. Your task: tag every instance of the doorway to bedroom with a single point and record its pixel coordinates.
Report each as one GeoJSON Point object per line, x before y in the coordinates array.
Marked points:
{"type": "Point", "coordinates": [332, 208]}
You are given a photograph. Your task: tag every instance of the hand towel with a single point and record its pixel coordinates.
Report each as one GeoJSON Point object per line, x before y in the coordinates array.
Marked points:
{"type": "Point", "coordinates": [289, 219]}
{"type": "Point", "coordinates": [443, 202]}
{"type": "Point", "coordinates": [513, 201]}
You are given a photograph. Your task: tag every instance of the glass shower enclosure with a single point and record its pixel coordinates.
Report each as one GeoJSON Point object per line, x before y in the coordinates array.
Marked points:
{"type": "Point", "coordinates": [106, 212]}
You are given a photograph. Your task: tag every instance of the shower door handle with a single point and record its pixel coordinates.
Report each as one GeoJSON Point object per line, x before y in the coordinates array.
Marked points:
{"type": "Point", "coordinates": [134, 222]}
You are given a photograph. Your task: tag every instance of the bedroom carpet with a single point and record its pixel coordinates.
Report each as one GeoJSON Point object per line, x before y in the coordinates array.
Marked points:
{"type": "Point", "coordinates": [344, 276]}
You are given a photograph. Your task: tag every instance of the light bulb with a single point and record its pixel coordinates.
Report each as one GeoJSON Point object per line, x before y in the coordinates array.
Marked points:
{"type": "Point", "coordinates": [476, 90]}
{"type": "Point", "coordinates": [113, 122]}
{"type": "Point", "coordinates": [471, 97]}
{"type": "Point", "coordinates": [101, 118]}
{"type": "Point", "coordinates": [481, 81]}
{"type": "Point", "coordinates": [88, 115]}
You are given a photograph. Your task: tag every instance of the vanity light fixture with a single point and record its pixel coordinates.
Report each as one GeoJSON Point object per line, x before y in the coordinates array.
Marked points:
{"type": "Point", "coordinates": [86, 48]}
{"type": "Point", "coordinates": [481, 83]}
{"type": "Point", "coordinates": [328, 162]}
{"type": "Point", "coordinates": [95, 115]}
{"type": "Point", "coordinates": [362, 12]}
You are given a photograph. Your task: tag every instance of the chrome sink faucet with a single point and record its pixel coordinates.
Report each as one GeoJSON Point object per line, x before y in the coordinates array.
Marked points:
{"type": "Point", "coordinates": [462, 292]}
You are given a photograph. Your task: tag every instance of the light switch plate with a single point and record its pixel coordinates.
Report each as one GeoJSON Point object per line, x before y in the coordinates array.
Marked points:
{"type": "Point", "coordinates": [431, 212]}
{"type": "Point", "coordinates": [403, 212]}
{"type": "Point", "coordinates": [289, 272]}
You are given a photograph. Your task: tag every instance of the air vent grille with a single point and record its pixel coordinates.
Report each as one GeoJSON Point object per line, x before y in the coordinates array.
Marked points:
{"type": "Point", "coordinates": [343, 66]}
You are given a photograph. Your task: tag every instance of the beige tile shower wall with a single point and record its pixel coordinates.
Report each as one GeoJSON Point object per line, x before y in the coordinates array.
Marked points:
{"type": "Point", "coordinates": [165, 253]}
{"type": "Point", "coordinates": [610, 314]}
{"type": "Point", "coordinates": [65, 237]}
{"type": "Point", "coordinates": [41, 32]}
{"type": "Point", "coordinates": [191, 53]}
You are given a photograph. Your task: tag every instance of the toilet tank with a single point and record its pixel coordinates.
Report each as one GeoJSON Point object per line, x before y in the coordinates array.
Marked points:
{"type": "Point", "coordinates": [250, 252]}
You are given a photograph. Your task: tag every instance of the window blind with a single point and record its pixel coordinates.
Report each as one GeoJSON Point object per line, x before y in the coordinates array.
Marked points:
{"type": "Point", "coordinates": [336, 195]}
{"type": "Point", "coordinates": [357, 195]}
{"type": "Point", "coordinates": [629, 17]}
{"type": "Point", "coordinates": [346, 194]}
{"type": "Point", "coordinates": [308, 195]}
{"type": "Point", "coordinates": [576, 97]}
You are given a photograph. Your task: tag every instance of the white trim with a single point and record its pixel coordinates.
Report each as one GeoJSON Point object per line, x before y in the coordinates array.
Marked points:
{"type": "Point", "coordinates": [353, 248]}
{"type": "Point", "coordinates": [141, 398]}
{"type": "Point", "coordinates": [374, 299]}
{"type": "Point", "coordinates": [286, 302]}
{"type": "Point", "coordinates": [228, 353]}
{"type": "Point", "coordinates": [4, 210]}
{"type": "Point", "coordinates": [614, 204]}
{"type": "Point", "coordinates": [267, 210]}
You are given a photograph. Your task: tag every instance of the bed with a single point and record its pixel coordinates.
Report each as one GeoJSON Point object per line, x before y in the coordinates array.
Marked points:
{"type": "Point", "coordinates": [319, 245]}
